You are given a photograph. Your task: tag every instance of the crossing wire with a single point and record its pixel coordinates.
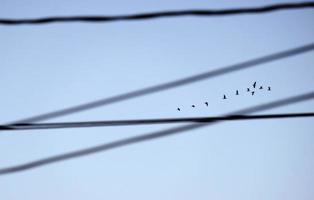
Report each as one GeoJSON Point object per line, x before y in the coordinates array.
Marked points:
{"type": "Point", "coordinates": [150, 136]}
{"type": "Point", "coordinates": [252, 63]}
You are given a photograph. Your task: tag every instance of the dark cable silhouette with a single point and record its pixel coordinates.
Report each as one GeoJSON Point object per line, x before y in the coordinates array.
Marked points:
{"type": "Point", "coordinates": [150, 136]}
{"type": "Point", "coordinates": [153, 15]}
{"type": "Point", "coordinates": [169, 85]}
{"type": "Point", "coordinates": [89, 124]}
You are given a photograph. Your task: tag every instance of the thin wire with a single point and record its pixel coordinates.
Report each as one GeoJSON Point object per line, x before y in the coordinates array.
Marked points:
{"type": "Point", "coordinates": [89, 124]}
{"type": "Point", "coordinates": [169, 85]}
{"type": "Point", "coordinates": [153, 15]}
{"type": "Point", "coordinates": [150, 136]}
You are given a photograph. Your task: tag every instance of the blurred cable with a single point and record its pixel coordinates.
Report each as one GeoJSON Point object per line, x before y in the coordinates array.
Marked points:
{"type": "Point", "coordinates": [169, 85]}
{"type": "Point", "coordinates": [150, 136]}
{"type": "Point", "coordinates": [153, 15]}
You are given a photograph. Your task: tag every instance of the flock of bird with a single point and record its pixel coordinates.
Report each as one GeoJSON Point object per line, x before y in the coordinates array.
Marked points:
{"type": "Point", "coordinates": [251, 90]}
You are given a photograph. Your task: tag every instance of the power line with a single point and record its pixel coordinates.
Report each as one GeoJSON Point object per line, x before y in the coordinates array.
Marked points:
{"type": "Point", "coordinates": [150, 136]}
{"type": "Point", "coordinates": [62, 125]}
{"type": "Point", "coordinates": [153, 15]}
{"type": "Point", "coordinates": [170, 85]}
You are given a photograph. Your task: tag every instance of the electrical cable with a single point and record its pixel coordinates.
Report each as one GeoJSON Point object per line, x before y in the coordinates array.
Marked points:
{"type": "Point", "coordinates": [154, 15]}
{"type": "Point", "coordinates": [90, 124]}
{"type": "Point", "coordinates": [149, 136]}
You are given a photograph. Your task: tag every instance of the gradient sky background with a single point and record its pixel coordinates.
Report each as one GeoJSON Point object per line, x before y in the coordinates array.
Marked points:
{"type": "Point", "coordinates": [50, 67]}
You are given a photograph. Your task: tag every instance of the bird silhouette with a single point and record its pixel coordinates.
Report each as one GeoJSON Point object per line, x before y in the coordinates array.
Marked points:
{"type": "Point", "coordinates": [224, 97]}
{"type": "Point", "coordinates": [254, 84]}
{"type": "Point", "coordinates": [248, 89]}
{"type": "Point", "coordinates": [268, 88]}
{"type": "Point", "coordinates": [193, 106]}
{"type": "Point", "coordinates": [178, 109]}
{"type": "Point", "coordinates": [253, 93]}
{"type": "Point", "coordinates": [261, 87]}
{"type": "Point", "coordinates": [237, 92]}
{"type": "Point", "coordinates": [206, 103]}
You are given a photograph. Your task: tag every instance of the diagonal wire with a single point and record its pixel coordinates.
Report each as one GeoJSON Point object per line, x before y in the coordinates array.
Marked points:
{"type": "Point", "coordinates": [170, 85]}
{"type": "Point", "coordinates": [154, 15]}
{"type": "Point", "coordinates": [150, 136]}
{"type": "Point", "coordinates": [89, 124]}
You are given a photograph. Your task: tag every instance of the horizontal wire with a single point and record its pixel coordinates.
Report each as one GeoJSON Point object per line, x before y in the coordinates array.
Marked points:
{"type": "Point", "coordinates": [149, 136]}
{"type": "Point", "coordinates": [153, 15]}
{"type": "Point", "coordinates": [62, 125]}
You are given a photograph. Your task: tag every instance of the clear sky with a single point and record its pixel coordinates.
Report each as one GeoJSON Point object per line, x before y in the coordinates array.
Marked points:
{"type": "Point", "coordinates": [50, 67]}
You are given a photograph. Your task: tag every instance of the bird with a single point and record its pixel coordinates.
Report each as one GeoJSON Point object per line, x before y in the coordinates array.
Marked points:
{"type": "Point", "coordinates": [261, 87]}
{"type": "Point", "coordinates": [206, 103]}
{"type": "Point", "coordinates": [268, 88]}
{"type": "Point", "coordinates": [178, 109]}
{"type": "Point", "coordinates": [248, 89]}
{"type": "Point", "coordinates": [253, 93]}
{"type": "Point", "coordinates": [254, 84]}
{"type": "Point", "coordinates": [237, 92]}
{"type": "Point", "coordinates": [224, 97]}
{"type": "Point", "coordinates": [193, 106]}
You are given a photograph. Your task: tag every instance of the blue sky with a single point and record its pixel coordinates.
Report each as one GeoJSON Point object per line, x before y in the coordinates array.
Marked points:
{"type": "Point", "coordinates": [50, 67]}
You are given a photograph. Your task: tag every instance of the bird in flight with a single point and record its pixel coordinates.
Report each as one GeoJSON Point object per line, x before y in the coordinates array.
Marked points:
{"type": "Point", "coordinates": [178, 109]}
{"type": "Point", "coordinates": [254, 84]}
{"type": "Point", "coordinates": [225, 97]}
{"type": "Point", "coordinates": [261, 87]}
{"type": "Point", "coordinates": [237, 92]}
{"type": "Point", "coordinates": [206, 103]}
{"type": "Point", "coordinates": [248, 89]}
{"type": "Point", "coordinates": [252, 93]}
{"type": "Point", "coordinates": [268, 88]}
{"type": "Point", "coordinates": [193, 106]}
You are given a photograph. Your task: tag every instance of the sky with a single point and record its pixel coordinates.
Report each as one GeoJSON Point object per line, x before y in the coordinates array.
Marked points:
{"type": "Point", "coordinates": [51, 67]}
